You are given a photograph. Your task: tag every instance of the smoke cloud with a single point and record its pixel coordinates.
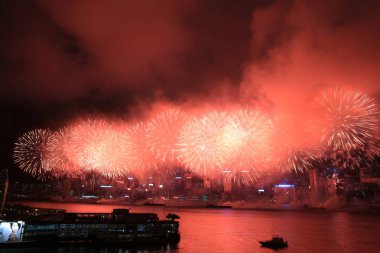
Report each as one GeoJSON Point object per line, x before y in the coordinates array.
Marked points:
{"type": "Point", "coordinates": [74, 50]}
{"type": "Point", "coordinates": [299, 48]}
{"type": "Point", "coordinates": [128, 59]}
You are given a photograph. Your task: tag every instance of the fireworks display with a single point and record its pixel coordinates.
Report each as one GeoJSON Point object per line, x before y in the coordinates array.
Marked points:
{"type": "Point", "coordinates": [199, 143]}
{"type": "Point", "coordinates": [290, 144]}
{"type": "Point", "coordinates": [162, 132]}
{"type": "Point", "coordinates": [140, 159]}
{"type": "Point", "coordinates": [242, 177]}
{"type": "Point", "coordinates": [60, 153]}
{"type": "Point", "coordinates": [241, 144]}
{"type": "Point", "coordinates": [30, 150]}
{"type": "Point", "coordinates": [348, 118]}
{"type": "Point", "coordinates": [99, 147]}
{"type": "Point", "coordinates": [244, 140]}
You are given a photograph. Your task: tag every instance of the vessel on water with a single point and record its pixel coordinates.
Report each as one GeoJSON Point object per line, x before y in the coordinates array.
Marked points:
{"type": "Point", "coordinates": [276, 243]}
{"type": "Point", "coordinates": [119, 227]}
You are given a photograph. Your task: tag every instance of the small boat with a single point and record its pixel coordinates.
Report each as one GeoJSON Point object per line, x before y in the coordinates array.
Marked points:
{"type": "Point", "coordinates": [276, 243]}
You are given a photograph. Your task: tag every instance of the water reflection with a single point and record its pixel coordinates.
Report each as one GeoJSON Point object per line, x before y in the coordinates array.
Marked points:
{"type": "Point", "coordinates": [85, 249]}
{"type": "Point", "coordinates": [233, 230]}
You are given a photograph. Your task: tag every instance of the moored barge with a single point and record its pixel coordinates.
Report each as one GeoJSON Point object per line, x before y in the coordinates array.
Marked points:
{"type": "Point", "coordinates": [117, 228]}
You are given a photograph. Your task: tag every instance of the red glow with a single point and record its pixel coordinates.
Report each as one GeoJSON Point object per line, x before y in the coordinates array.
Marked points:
{"type": "Point", "coordinates": [162, 132]}
{"type": "Point", "coordinates": [199, 143]}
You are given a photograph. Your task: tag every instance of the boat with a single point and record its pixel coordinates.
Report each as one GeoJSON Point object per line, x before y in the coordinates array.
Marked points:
{"type": "Point", "coordinates": [118, 228]}
{"type": "Point", "coordinates": [276, 243]}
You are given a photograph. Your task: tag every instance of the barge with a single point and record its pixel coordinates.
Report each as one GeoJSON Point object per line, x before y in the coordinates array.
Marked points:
{"type": "Point", "coordinates": [118, 228]}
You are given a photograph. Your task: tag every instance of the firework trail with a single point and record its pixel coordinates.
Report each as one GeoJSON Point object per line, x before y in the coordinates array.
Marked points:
{"type": "Point", "coordinates": [247, 176]}
{"type": "Point", "coordinates": [199, 143]}
{"type": "Point", "coordinates": [162, 132]}
{"type": "Point", "coordinates": [290, 144]}
{"type": "Point", "coordinates": [81, 137]}
{"type": "Point", "coordinates": [140, 159]}
{"type": "Point", "coordinates": [244, 141]}
{"type": "Point", "coordinates": [348, 118]}
{"type": "Point", "coordinates": [99, 147]}
{"type": "Point", "coordinates": [30, 150]}
{"type": "Point", "coordinates": [60, 153]}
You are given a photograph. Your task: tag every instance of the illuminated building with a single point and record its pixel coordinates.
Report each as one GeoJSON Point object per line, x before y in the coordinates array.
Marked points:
{"type": "Point", "coordinates": [284, 193]}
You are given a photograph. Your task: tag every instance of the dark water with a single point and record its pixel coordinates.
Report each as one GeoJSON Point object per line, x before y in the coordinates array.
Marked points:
{"type": "Point", "coordinates": [234, 230]}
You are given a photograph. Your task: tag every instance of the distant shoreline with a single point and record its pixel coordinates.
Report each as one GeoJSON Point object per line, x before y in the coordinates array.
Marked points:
{"type": "Point", "coordinates": [361, 208]}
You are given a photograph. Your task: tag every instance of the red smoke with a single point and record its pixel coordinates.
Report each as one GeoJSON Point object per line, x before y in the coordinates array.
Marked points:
{"type": "Point", "coordinates": [201, 55]}
{"type": "Point", "coordinates": [300, 47]}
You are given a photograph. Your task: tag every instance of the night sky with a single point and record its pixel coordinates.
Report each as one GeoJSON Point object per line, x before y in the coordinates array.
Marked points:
{"type": "Point", "coordinates": [60, 60]}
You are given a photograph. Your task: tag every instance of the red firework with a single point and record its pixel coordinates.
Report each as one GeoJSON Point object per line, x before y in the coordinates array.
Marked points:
{"type": "Point", "coordinates": [348, 118]}
{"type": "Point", "coordinates": [140, 159]}
{"type": "Point", "coordinates": [59, 154]}
{"type": "Point", "coordinates": [162, 132]}
{"type": "Point", "coordinates": [199, 143]}
{"type": "Point", "coordinates": [244, 141]}
{"type": "Point", "coordinates": [291, 145]}
{"type": "Point", "coordinates": [99, 147]}
{"type": "Point", "coordinates": [30, 151]}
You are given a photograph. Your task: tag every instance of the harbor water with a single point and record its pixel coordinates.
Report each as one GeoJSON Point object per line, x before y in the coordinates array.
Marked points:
{"type": "Point", "coordinates": [240, 230]}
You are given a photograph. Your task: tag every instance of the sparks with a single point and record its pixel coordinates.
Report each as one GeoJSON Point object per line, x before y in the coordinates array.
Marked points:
{"type": "Point", "coordinates": [29, 152]}
{"type": "Point", "coordinates": [162, 132]}
{"type": "Point", "coordinates": [244, 140]}
{"type": "Point", "coordinates": [348, 118]}
{"type": "Point", "coordinates": [290, 144]}
{"type": "Point", "coordinates": [199, 144]}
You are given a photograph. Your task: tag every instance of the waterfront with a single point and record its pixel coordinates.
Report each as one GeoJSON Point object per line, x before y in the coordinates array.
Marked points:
{"type": "Point", "coordinates": [239, 230]}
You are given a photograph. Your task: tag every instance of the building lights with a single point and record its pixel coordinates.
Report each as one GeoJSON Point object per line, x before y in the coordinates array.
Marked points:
{"type": "Point", "coordinates": [284, 186]}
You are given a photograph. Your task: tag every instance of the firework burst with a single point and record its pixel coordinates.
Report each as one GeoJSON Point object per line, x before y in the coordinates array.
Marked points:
{"type": "Point", "coordinates": [199, 143]}
{"type": "Point", "coordinates": [162, 132]}
{"type": "Point", "coordinates": [247, 176]}
{"type": "Point", "coordinates": [140, 159]}
{"type": "Point", "coordinates": [290, 144]}
{"type": "Point", "coordinates": [348, 118]}
{"type": "Point", "coordinates": [59, 154]}
{"type": "Point", "coordinates": [99, 147]}
{"type": "Point", "coordinates": [30, 151]}
{"type": "Point", "coordinates": [244, 140]}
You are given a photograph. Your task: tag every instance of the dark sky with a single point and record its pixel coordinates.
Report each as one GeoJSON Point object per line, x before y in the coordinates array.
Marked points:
{"type": "Point", "coordinates": [61, 59]}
